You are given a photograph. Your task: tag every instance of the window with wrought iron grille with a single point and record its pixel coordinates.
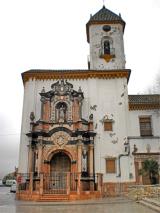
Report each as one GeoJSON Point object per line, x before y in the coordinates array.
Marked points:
{"type": "Point", "coordinates": [145, 126]}
{"type": "Point", "coordinates": [111, 165]}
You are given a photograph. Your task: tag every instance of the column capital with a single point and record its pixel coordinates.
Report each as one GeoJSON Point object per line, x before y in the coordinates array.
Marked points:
{"type": "Point", "coordinates": [91, 146]}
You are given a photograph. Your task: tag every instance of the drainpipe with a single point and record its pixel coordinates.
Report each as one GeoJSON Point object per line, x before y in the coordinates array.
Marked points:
{"type": "Point", "coordinates": [127, 149]}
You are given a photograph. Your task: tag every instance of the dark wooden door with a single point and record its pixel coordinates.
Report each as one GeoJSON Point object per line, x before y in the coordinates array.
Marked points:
{"type": "Point", "coordinates": [60, 163]}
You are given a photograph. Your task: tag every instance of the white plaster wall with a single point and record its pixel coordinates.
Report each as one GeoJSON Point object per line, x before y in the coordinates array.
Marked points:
{"type": "Point", "coordinates": [110, 103]}
{"type": "Point", "coordinates": [142, 143]}
{"type": "Point", "coordinates": [134, 129]}
{"type": "Point", "coordinates": [28, 106]}
{"type": "Point", "coordinates": [96, 34]}
{"type": "Point", "coordinates": [106, 94]}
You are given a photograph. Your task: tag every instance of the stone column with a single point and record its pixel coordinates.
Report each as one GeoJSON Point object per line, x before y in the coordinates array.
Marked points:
{"type": "Point", "coordinates": [91, 165]}
{"type": "Point", "coordinates": [79, 154]}
{"type": "Point", "coordinates": [41, 184]}
{"type": "Point", "coordinates": [79, 183]}
{"type": "Point", "coordinates": [31, 182]}
{"type": "Point", "coordinates": [79, 166]}
{"type": "Point", "coordinates": [68, 183]}
{"type": "Point", "coordinates": [40, 146]}
{"type": "Point", "coordinates": [91, 160]}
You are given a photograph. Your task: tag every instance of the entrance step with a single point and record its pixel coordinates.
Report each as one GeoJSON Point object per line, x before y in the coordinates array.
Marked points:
{"type": "Point", "coordinates": [54, 197]}
{"type": "Point", "coordinates": [151, 203]}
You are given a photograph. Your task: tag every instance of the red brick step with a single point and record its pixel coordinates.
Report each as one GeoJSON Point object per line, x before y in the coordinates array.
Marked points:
{"type": "Point", "coordinates": [54, 197]}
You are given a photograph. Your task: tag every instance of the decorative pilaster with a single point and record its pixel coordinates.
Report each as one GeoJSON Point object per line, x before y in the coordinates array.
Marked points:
{"type": "Point", "coordinates": [79, 183]}
{"type": "Point", "coordinates": [41, 184]}
{"type": "Point", "coordinates": [43, 101]}
{"type": "Point", "coordinates": [40, 146]}
{"type": "Point", "coordinates": [80, 99]}
{"type": "Point", "coordinates": [79, 153]}
{"type": "Point", "coordinates": [31, 182]}
{"type": "Point", "coordinates": [68, 183]}
{"type": "Point", "coordinates": [91, 160]}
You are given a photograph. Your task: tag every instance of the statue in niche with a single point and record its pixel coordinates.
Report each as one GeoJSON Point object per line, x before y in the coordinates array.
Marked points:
{"type": "Point", "coordinates": [62, 113]}
{"type": "Point", "coordinates": [84, 161]}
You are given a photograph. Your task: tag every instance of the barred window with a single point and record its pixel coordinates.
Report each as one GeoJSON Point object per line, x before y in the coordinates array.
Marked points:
{"type": "Point", "coordinates": [145, 126]}
{"type": "Point", "coordinates": [110, 165]}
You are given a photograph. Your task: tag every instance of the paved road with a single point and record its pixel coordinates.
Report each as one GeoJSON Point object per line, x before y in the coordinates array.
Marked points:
{"type": "Point", "coordinates": [114, 205]}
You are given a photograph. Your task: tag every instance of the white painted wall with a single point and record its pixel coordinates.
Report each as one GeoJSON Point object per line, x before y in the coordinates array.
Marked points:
{"type": "Point", "coordinates": [111, 98]}
{"type": "Point", "coordinates": [96, 34]}
{"type": "Point", "coordinates": [134, 130]}
{"type": "Point", "coordinates": [106, 94]}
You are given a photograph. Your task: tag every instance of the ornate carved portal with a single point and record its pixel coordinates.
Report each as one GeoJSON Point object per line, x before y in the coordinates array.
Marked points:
{"type": "Point", "coordinates": [62, 140]}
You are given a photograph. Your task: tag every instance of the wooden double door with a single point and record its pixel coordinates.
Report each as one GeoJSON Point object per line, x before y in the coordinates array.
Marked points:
{"type": "Point", "coordinates": [60, 165]}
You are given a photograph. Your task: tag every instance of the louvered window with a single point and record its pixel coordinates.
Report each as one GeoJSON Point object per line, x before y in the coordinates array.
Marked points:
{"type": "Point", "coordinates": [145, 126]}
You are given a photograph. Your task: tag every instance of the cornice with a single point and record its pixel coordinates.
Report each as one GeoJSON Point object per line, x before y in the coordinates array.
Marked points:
{"type": "Point", "coordinates": [146, 106]}
{"type": "Point", "coordinates": [75, 74]}
{"type": "Point", "coordinates": [143, 137]}
{"type": "Point", "coordinates": [146, 153]}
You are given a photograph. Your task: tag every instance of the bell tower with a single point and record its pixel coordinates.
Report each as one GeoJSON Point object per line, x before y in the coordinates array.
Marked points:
{"type": "Point", "coordinates": [105, 35]}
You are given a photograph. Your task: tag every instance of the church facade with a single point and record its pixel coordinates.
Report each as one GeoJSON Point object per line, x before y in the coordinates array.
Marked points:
{"type": "Point", "coordinates": [82, 135]}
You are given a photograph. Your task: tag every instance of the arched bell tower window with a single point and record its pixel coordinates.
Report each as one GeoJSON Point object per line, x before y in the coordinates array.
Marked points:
{"type": "Point", "coordinates": [107, 51]}
{"type": "Point", "coordinates": [61, 112]}
{"type": "Point", "coordinates": [106, 47]}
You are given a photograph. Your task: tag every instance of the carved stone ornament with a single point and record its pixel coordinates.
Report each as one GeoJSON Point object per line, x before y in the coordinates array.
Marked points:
{"type": "Point", "coordinates": [107, 118]}
{"type": "Point", "coordinates": [91, 117]}
{"type": "Point", "coordinates": [135, 149]}
{"type": "Point", "coordinates": [93, 107]}
{"type": "Point", "coordinates": [32, 116]}
{"type": "Point", "coordinates": [60, 138]}
{"type": "Point", "coordinates": [148, 148]}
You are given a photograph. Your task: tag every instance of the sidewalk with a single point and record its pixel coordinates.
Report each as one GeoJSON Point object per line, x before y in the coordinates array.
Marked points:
{"type": "Point", "coordinates": [102, 201]}
{"type": "Point", "coordinates": [152, 203]}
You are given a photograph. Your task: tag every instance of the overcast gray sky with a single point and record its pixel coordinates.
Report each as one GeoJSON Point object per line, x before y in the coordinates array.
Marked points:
{"type": "Point", "coordinates": [51, 34]}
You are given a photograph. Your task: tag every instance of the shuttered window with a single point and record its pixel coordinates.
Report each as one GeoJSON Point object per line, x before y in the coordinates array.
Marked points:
{"type": "Point", "coordinates": [145, 126]}
{"type": "Point", "coordinates": [110, 166]}
{"type": "Point", "coordinates": [108, 126]}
